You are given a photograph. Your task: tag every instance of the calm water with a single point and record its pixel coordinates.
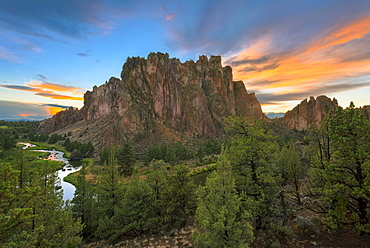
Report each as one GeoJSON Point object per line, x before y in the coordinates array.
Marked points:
{"type": "Point", "coordinates": [200, 179]}
{"type": "Point", "coordinates": [68, 168]}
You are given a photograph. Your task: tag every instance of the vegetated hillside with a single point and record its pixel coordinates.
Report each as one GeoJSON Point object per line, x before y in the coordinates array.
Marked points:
{"type": "Point", "coordinates": [190, 99]}
{"type": "Point", "coordinates": [263, 192]}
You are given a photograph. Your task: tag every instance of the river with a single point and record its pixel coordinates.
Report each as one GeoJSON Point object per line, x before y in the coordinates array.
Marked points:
{"type": "Point", "coordinates": [68, 189]}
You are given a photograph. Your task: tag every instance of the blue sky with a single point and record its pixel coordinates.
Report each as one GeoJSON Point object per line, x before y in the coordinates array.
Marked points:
{"type": "Point", "coordinates": [51, 52]}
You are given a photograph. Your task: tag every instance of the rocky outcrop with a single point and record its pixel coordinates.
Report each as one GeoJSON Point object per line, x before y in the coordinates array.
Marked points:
{"type": "Point", "coordinates": [309, 112]}
{"type": "Point", "coordinates": [366, 111]}
{"type": "Point", "coordinates": [191, 98]}
{"type": "Point", "coordinates": [64, 118]}
{"type": "Point", "coordinates": [247, 104]}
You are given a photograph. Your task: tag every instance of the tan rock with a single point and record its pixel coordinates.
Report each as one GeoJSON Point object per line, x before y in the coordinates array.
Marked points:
{"type": "Point", "coordinates": [308, 112]}
{"type": "Point", "coordinates": [191, 98]}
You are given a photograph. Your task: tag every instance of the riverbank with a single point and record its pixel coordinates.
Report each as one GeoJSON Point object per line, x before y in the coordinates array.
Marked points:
{"type": "Point", "coordinates": [63, 170]}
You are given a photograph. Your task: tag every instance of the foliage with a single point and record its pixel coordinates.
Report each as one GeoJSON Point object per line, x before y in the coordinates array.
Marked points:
{"type": "Point", "coordinates": [169, 153]}
{"type": "Point", "coordinates": [347, 183]}
{"type": "Point", "coordinates": [78, 149]}
{"type": "Point", "coordinates": [291, 169]}
{"type": "Point", "coordinates": [125, 157]}
{"type": "Point", "coordinates": [220, 218]}
{"type": "Point", "coordinates": [253, 161]}
{"type": "Point", "coordinates": [32, 212]}
{"type": "Point", "coordinates": [179, 196]}
{"type": "Point", "coordinates": [199, 170]}
{"type": "Point", "coordinates": [165, 199]}
{"type": "Point", "coordinates": [83, 200]}
{"type": "Point", "coordinates": [54, 138]}
{"type": "Point", "coordinates": [32, 136]}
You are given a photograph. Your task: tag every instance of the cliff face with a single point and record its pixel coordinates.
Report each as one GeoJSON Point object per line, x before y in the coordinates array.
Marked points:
{"type": "Point", "coordinates": [192, 98]}
{"type": "Point", "coordinates": [62, 119]}
{"type": "Point", "coordinates": [247, 104]}
{"type": "Point", "coordinates": [308, 112]}
{"type": "Point", "coordinates": [366, 111]}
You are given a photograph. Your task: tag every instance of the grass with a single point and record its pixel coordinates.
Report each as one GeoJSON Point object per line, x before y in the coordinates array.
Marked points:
{"type": "Point", "coordinates": [33, 158]}
{"type": "Point", "coordinates": [47, 146]}
{"type": "Point", "coordinates": [71, 178]}
{"type": "Point", "coordinates": [202, 169]}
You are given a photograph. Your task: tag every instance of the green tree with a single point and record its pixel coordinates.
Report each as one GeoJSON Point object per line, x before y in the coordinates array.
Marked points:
{"type": "Point", "coordinates": [292, 169]}
{"type": "Point", "coordinates": [136, 212]}
{"type": "Point", "coordinates": [158, 182]}
{"type": "Point", "coordinates": [35, 215]}
{"type": "Point", "coordinates": [53, 223]}
{"type": "Point", "coordinates": [83, 200]}
{"type": "Point", "coordinates": [23, 167]}
{"type": "Point", "coordinates": [347, 188]}
{"type": "Point", "coordinates": [180, 195]}
{"type": "Point", "coordinates": [126, 159]}
{"type": "Point", "coordinates": [221, 221]}
{"type": "Point", "coordinates": [109, 195]}
{"type": "Point", "coordinates": [252, 154]}
{"type": "Point", "coordinates": [320, 153]}
{"type": "Point", "coordinates": [15, 215]}
{"type": "Point", "coordinates": [104, 155]}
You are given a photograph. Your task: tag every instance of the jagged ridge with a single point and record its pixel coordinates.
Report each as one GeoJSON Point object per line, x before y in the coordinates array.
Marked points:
{"type": "Point", "coordinates": [309, 112]}
{"type": "Point", "coordinates": [191, 98]}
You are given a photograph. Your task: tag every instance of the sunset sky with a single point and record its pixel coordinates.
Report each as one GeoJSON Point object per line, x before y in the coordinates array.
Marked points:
{"type": "Point", "coordinates": [51, 52]}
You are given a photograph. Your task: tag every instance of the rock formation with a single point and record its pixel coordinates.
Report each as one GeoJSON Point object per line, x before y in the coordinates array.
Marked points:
{"type": "Point", "coordinates": [191, 98]}
{"type": "Point", "coordinates": [308, 112]}
{"type": "Point", "coordinates": [366, 111]}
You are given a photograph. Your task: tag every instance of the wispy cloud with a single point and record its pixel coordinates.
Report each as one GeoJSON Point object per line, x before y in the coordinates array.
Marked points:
{"type": "Point", "coordinates": [9, 56]}
{"type": "Point", "coordinates": [314, 90]}
{"type": "Point", "coordinates": [170, 17]}
{"type": "Point", "coordinates": [356, 29]}
{"type": "Point", "coordinates": [18, 87]}
{"type": "Point", "coordinates": [260, 60]}
{"type": "Point", "coordinates": [280, 48]}
{"type": "Point", "coordinates": [83, 54]}
{"type": "Point", "coordinates": [76, 19]}
{"type": "Point", "coordinates": [41, 77]}
{"type": "Point", "coordinates": [27, 111]}
{"type": "Point", "coordinates": [333, 62]}
{"type": "Point", "coordinates": [59, 97]}
{"type": "Point", "coordinates": [49, 90]}
{"type": "Point", "coordinates": [54, 87]}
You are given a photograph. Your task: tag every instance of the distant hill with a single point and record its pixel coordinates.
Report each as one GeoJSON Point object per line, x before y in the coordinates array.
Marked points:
{"type": "Point", "coordinates": [274, 115]}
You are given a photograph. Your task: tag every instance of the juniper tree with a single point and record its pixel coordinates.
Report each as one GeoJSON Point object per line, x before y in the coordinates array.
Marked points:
{"type": "Point", "coordinates": [347, 188]}
{"type": "Point", "coordinates": [220, 218]}
{"type": "Point", "coordinates": [252, 154]}
{"type": "Point", "coordinates": [292, 169]}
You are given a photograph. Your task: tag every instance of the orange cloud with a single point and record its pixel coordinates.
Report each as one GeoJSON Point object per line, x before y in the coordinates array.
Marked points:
{"type": "Point", "coordinates": [54, 110]}
{"type": "Point", "coordinates": [354, 30]}
{"type": "Point", "coordinates": [169, 17]}
{"type": "Point", "coordinates": [25, 115]}
{"type": "Point", "coordinates": [54, 87]}
{"type": "Point", "coordinates": [340, 56]}
{"type": "Point", "coordinates": [60, 97]}
{"type": "Point", "coordinates": [49, 90]}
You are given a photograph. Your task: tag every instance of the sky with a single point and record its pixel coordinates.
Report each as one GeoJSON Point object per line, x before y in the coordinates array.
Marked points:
{"type": "Point", "coordinates": [51, 52]}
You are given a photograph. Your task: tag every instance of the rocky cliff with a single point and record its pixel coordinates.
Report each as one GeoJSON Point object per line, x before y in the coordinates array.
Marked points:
{"type": "Point", "coordinates": [308, 112]}
{"type": "Point", "coordinates": [191, 99]}
{"type": "Point", "coordinates": [366, 111]}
